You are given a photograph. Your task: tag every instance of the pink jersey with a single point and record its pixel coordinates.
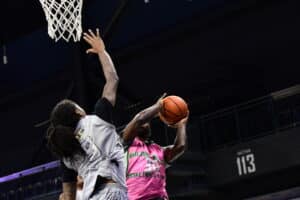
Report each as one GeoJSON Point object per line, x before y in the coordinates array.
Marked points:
{"type": "Point", "coordinates": [146, 171]}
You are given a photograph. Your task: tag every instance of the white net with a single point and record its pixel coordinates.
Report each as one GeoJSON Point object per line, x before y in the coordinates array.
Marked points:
{"type": "Point", "coordinates": [64, 18]}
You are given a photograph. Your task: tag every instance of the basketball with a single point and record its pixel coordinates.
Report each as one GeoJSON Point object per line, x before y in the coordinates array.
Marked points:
{"type": "Point", "coordinates": [174, 109]}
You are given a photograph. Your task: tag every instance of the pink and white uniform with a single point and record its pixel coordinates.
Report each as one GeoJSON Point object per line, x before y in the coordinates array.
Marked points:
{"type": "Point", "coordinates": [146, 174]}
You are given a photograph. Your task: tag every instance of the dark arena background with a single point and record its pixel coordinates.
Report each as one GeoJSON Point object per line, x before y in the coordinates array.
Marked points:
{"type": "Point", "coordinates": [236, 63]}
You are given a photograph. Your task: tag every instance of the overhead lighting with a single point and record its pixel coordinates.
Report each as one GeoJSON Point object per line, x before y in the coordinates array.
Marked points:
{"type": "Point", "coordinates": [5, 61]}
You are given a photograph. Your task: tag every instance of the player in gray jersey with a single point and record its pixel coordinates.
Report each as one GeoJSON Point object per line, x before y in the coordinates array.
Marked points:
{"type": "Point", "coordinates": [88, 145]}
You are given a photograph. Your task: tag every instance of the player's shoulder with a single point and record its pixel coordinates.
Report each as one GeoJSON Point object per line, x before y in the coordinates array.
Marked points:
{"type": "Point", "coordinates": [93, 119]}
{"type": "Point", "coordinates": [155, 146]}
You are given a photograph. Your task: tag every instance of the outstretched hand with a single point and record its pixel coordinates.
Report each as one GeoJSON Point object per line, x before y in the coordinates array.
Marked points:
{"type": "Point", "coordinates": [96, 42]}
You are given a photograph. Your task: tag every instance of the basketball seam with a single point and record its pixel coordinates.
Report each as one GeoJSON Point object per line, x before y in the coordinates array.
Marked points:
{"type": "Point", "coordinates": [168, 111]}
{"type": "Point", "coordinates": [178, 107]}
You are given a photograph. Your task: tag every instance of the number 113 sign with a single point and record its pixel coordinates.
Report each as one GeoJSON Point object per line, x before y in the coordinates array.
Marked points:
{"type": "Point", "coordinates": [245, 161]}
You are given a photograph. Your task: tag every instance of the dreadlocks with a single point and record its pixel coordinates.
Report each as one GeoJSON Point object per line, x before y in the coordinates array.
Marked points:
{"type": "Point", "coordinates": [60, 134]}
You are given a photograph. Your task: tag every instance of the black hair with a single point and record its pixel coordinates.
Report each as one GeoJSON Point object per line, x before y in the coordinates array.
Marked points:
{"type": "Point", "coordinates": [64, 113]}
{"type": "Point", "coordinates": [61, 136]}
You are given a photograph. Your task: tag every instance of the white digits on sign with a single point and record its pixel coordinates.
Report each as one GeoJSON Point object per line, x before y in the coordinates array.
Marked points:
{"type": "Point", "coordinates": [250, 160]}
{"type": "Point", "coordinates": [246, 164]}
{"type": "Point", "coordinates": [238, 162]}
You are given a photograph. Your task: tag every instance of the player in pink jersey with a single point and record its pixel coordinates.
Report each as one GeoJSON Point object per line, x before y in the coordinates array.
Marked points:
{"type": "Point", "coordinates": [147, 161]}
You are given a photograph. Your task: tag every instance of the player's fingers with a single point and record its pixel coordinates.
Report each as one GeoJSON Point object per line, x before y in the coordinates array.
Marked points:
{"type": "Point", "coordinates": [90, 51]}
{"type": "Point", "coordinates": [88, 40]}
{"type": "Point", "coordinates": [184, 120]}
{"type": "Point", "coordinates": [89, 37]}
{"type": "Point", "coordinates": [92, 33]}
{"type": "Point", "coordinates": [161, 98]}
{"type": "Point", "coordinates": [172, 125]}
{"type": "Point", "coordinates": [188, 114]}
{"type": "Point", "coordinates": [97, 32]}
{"type": "Point", "coordinates": [164, 95]}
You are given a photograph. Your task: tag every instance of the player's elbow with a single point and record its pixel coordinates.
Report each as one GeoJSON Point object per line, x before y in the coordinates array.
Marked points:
{"type": "Point", "coordinates": [116, 82]}
{"type": "Point", "coordinates": [114, 79]}
{"type": "Point", "coordinates": [182, 148]}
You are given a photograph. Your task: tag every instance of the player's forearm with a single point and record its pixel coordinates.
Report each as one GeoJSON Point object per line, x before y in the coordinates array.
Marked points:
{"type": "Point", "coordinates": [112, 80]}
{"type": "Point", "coordinates": [149, 113]}
{"type": "Point", "coordinates": [179, 146]}
{"type": "Point", "coordinates": [69, 191]}
{"type": "Point", "coordinates": [141, 118]}
{"type": "Point", "coordinates": [180, 140]}
{"type": "Point", "coordinates": [108, 67]}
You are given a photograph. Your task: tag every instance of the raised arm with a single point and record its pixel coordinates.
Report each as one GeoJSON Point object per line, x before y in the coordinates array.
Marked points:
{"type": "Point", "coordinates": [129, 133]}
{"type": "Point", "coordinates": [110, 73]}
{"type": "Point", "coordinates": [174, 151]}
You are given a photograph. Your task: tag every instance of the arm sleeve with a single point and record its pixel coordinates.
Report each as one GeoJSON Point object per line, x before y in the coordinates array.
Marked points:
{"type": "Point", "coordinates": [104, 109]}
{"type": "Point", "coordinates": [68, 175]}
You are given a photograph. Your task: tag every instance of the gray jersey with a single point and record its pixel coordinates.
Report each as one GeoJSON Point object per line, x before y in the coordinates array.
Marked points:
{"type": "Point", "coordinates": [104, 154]}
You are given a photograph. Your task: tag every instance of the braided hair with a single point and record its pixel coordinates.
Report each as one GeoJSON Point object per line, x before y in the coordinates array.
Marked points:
{"type": "Point", "coordinates": [60, 134]}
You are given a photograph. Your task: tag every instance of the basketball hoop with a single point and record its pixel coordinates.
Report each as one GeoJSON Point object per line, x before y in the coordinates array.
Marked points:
{"type": "Point", "coordinates": [64, 19]}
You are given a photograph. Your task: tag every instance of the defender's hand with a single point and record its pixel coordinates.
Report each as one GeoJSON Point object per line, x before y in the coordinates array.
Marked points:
{"type": "Point", "coordinates": [95, 41]}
